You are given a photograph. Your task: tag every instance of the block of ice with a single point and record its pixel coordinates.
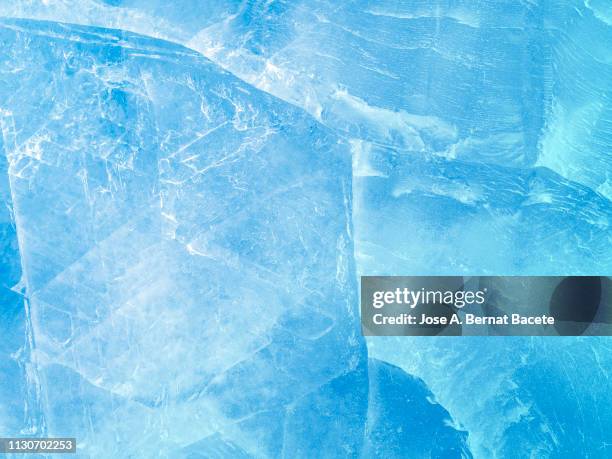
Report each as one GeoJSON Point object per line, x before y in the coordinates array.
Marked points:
{"type": "Point", "coordinates": [186, 247]}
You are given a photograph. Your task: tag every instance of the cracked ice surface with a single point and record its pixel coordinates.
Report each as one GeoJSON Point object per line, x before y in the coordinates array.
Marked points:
{"type": "Point", "coordinates": [481, 136]}
{"type": "Point", "coordinates": [522, 88]}
{"type": "Point", "coordinates": [157, 200]}
{"type": "Point", "coordinates": [185, 244]}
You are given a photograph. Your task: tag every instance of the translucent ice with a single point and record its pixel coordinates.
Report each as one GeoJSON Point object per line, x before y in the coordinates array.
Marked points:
{"type": "Point", "coordinates": [522, 87]}
{"type": "Point", "coordinates": [14, 414]}
{"type": "Point", "coordinates": [544, 397]}
{"type": "Point", "coordinates": [403, 419]}
{"type": "Point", "coordinates": [186, 244]}
{"type": "Point", "coordinates": [481, 139]}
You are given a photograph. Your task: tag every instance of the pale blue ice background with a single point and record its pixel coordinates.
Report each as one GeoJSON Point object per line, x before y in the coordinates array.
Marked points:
{"type": "Point", "coordinates": [190, 188]}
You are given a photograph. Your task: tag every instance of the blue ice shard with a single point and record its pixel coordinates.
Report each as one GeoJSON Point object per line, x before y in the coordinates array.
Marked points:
{"type": "Point", "coordinates": [186, 247]}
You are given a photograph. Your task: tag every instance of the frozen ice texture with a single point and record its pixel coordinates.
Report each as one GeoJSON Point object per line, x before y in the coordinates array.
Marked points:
{"type": "Point", "coordinates": [187, 258]}
{"type": "Point", "coordinates": [484, 218]}
{"type": "Point", "coordinates": [516, 396]}
{"type": "Point", "coordinates": [481, 137]}
{"type": "Point", "coordinates": [185, 242]}
{"type": "Point", "coordinates": [516, 91]}
{"type": "Point", "coordinates": [13, 349]}
{"type": "Point", "coordinates": [405, 421]}
{"type": "Point", "coordinates": [484, 127]}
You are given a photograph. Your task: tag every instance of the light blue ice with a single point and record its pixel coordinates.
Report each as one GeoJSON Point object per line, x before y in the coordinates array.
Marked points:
{"type": "Point", "coordinates": [186, 260]}
{"type": "Point", "coordinates": [480, 135]}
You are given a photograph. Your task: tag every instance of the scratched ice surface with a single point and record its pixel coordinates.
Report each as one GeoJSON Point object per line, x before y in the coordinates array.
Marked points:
{"type": "Point", "coordinates": [185, 246]}
{"type": "Point", "coordinates": [481, 131]}
{"type": "Point", "coordinates": [481, 135]}
{"type": "Point", "coordinates": [185, 249]}
{"type": "Point", "coordinates": [437, 98]}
